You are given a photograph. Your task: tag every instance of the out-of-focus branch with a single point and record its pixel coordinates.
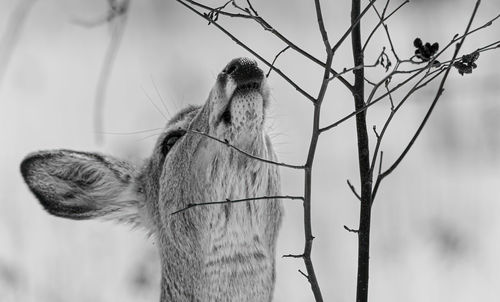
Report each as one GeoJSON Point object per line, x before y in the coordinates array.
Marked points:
{"type": "Point", "coordinates": [116, 8]}
{"type": "Point", "coordinates": [119, 12]}
{"type": "Point", "coordinates": [15, 25]}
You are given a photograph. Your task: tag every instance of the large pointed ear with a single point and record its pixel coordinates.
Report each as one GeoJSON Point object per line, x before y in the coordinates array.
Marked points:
{"type": "Point", "coordinates": [79, 185]}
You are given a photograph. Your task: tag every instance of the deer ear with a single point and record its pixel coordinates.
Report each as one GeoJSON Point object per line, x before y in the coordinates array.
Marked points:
{"type": "Point", "coordinates": [79, 185]}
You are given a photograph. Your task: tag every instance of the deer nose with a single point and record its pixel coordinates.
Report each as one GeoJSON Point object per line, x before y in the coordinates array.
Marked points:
{"type": "Point", "coordinates": [243, 71]}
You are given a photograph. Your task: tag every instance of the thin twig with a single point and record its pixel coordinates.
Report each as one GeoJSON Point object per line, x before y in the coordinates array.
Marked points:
{"type": "Point", "coordinates": [382, 19]}
{"type": "Point", "coordinates": [308, 233]}
{"type": "Point", "coordinates": [377, 25]}
{"type": "Point", "coordinates": [228, 201]}
{"type": "Point", "coordinates": [353, 24]}
{"type": "Point", "coordinates": [353, 189]}
{"type": "Point", "coordinates": [321, 25]}
{"type": "Point", "coordinates": [251, 8]}
{"type": "Point", "coordinates": [347, 70]}
{"type": "Point", "coordinates": [390, 94]}
{"type": "Point", "coordinates": [458, 37]}
{"type": "Point", "coordinates": [275, 58]}
{"type": "Point", "coordinates": [293, 256]}
{"type": "Point", "coordinates": [395, 109]}
{"type": "Point", "coordinates": [225, 142]}
{"type": "Point", "coordinates": [305, 275]}
{"type": "Point", "coordinates": [350, 230]}
{"type": "Point", "coordinates": [380, 164]}
{"type": "Point", "coordinates": [372, 102]}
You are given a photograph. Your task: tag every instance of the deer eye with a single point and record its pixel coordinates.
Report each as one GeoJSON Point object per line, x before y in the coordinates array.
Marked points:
{"type": "Point", "coordinates": [170, 141]}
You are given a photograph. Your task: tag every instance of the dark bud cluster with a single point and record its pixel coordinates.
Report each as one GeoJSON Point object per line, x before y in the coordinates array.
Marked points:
{"type": "Point", "coordinates": [426, 51]}
{"type": "Point", "coordinates": [212, 16]}
{"type": "Point", "coordinates": [384, 60]}
{"type": "Point", "coordinates": [467, 63]}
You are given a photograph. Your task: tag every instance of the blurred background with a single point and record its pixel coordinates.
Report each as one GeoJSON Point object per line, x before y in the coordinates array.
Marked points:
{"type": "Point", "coordinates": [435, 223]}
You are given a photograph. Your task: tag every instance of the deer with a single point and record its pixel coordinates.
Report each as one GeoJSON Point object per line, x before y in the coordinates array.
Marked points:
{"type": "Point", "coordinates": [223, 251]}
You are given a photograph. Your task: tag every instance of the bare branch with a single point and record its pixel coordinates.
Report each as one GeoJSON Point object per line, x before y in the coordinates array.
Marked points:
{"type": "Point", "coordinates": [431, 108]}
{"type": "Point", "coordinates": [228, 201]}
{"type": "Point", "coordinates": [308, 235]}
{"type": "Point", "coordinates": [305, 275]}
{"type": "Point", "coordinates": [272, 30]}
{"type": "Point", "coordinates": [347, 70]}
{"type": "Point", "coordinates": [382, 19]}
{"type": "Point", "coordinates": [458, 37]}
{"type": "Point", "coordinates": [371, 102]}
{"type": "Point", "coordinates": [353, 24]}
{"type": "Point", "coordinates": [321, 25]}
{"type": "Point", "coordinates": [350, 230]}
{"type": "Point", "coordinates": [353, 189]}
{"type": "Point", "coordinates": [375, 131]}
{"type": "Point", "coordinates": [390, 94]}
{"type": "Point", "coordinates": [225, 142]}
{"type": "Point", "coordinates": [293, 256]}
{"type": "Point", "coordinates": [380, 164]}
{"type": "Point", "coordinates": [237, 41]}
{"type": "Point", "coordinates": [275, 58]}
{"type": "Point", "coordinates": [393, 111]}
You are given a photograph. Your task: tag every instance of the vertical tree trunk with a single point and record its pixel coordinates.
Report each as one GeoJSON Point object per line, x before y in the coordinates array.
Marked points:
{"type": "Point", "coordinates": [363, 158]}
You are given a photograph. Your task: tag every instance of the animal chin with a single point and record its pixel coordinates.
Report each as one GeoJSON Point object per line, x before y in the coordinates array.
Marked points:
{"type": "Point", "coordinates": [240, 91]}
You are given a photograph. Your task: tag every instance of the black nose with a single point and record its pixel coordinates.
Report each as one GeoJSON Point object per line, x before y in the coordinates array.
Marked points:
{"type": "Point", "coordinates": [243, 71]}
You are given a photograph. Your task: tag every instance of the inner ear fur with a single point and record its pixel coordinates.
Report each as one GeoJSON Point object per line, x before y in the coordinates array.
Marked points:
{"type": "Point", "coordinates": [81, 185]}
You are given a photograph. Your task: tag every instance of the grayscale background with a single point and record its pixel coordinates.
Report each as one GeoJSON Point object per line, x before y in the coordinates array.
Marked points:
{"type": "Point", "coordinates": [436, 226]}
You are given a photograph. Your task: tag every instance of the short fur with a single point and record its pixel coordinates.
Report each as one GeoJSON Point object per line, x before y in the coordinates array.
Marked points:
{"type": "Point", "coordinates": [208, 253]}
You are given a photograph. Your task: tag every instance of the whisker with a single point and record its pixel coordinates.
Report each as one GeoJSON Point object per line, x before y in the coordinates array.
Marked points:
{"type": "Point", "coordinates": [149, 136]}
{"type": "Point", "coordinates": [153, 103]}
{"type": "Point", "coordinates": [131, 132]}
{"type": "Point", "coordinates": [162, 100]}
